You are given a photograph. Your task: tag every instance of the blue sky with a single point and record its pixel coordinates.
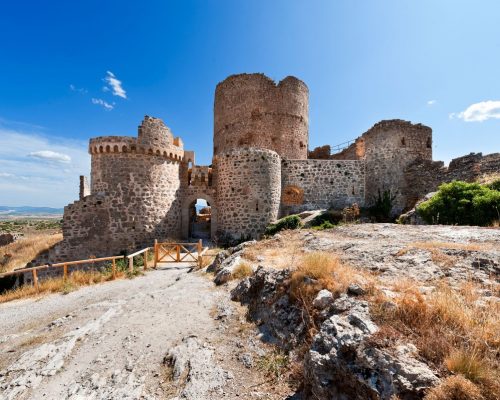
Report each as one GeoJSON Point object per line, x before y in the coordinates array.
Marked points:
{"type": "Point", "coordinates": [71, 70]}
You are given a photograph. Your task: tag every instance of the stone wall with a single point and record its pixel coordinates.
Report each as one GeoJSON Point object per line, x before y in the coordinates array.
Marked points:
{"type": "Point", "coordinates": [425, 176]}
{"type": "Point", "coordinates": [248, 184]}
{"type": "Point", "coordinates": [321, 184]}
{"type": "Point", "coordinates": [251, 110]}
{"type": "Point", "coordinates": [136, 195]}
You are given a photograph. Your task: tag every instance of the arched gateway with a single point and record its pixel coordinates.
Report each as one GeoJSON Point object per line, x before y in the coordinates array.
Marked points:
{"type": "Point", "coordinates": [187, 213]}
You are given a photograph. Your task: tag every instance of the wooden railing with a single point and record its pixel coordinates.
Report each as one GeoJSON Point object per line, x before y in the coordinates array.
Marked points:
{"type": "Point", "coordinates": [144, 257]}
{"type": "Point", "coordinates": [168, 252]}
{"type": "Point", "coordinates": [163, 252]}
{"type": "Point", "coordinates": [64, 265]}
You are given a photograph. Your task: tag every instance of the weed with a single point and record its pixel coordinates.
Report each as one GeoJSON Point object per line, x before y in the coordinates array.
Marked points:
{"type": "Point", "coordinates": [274, 365]}
{"type": "Point", "coordinates": [242, 270]}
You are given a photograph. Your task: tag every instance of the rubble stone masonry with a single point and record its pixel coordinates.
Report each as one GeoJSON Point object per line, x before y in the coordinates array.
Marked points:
{"type": "Point", "coordinates": [143, 188]}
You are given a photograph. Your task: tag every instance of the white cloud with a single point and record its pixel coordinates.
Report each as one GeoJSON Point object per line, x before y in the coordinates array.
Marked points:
{"type": "Point", "coordinates": [431, 102]}
{"type": "Point", "coordinates": [479, 112]}
{"type": "Point", "coordinates": [24, 180]}
{"type": "Point", "coordinates": [73, 88]}
{"type": "Point", "coordinates": [104, 104]}
{"type": "Point", "coordinates": [50, 155]}
{"type": "Point", "coordinates": [116, 85]}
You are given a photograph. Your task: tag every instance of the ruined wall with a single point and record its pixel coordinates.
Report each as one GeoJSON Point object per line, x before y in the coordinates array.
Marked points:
{"type": "Point", "coordinates": [390, 146]}
{"type": "Point", "coordinates": [425, 176]}
{"type": "Point", "coordinates": [321, 184]}
{"type": "Point", "coordinates": [251, 110]}
{"type": "Point", "coordinates": [248, 184]}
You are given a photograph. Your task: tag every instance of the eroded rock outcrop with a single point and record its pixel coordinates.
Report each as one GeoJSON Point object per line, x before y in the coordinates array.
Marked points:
{"type": "Point", "coordinates": [342, 361]}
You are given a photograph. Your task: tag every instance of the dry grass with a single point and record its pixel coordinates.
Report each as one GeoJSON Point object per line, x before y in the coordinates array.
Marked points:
{"type": "Point", "coordinates": [59, 285]}
{"type": "Point", "coordinates": [321, 270]}
{"type": "Point", "coordinates": [25, 249]}
{"type": "Point", "coordinates": [451, 328]}
{"type": "Point", "coordinates": [455, 388]}
{"type": "Point", "coordinates": [242, 270]}
{"type": "Point", "coordinates": [281, 255]}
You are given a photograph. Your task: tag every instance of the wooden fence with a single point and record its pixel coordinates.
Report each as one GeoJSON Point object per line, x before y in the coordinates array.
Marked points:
{"type": "Point", "coordinates": [163, 252]}
{"type": "Point", "coordinates": [167, 252]}
{"type": "Point", "coordinates": [64, 266]}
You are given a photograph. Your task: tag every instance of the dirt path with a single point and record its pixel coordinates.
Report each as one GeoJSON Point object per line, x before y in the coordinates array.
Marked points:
{"type": "Point", "coordinates": [108, 341]}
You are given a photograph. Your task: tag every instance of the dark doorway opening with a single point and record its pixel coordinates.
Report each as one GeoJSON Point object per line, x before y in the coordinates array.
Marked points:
{"type": "Point", "coordinates": [200, 219]}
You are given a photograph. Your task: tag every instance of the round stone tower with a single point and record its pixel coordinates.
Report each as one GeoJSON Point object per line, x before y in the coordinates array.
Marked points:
{"type": "Point", "coordinates": [140, 178]}
{"type": "Point", "coordinates": [248, 191]}
{"type": "Point", "coordinates": [251, 110]}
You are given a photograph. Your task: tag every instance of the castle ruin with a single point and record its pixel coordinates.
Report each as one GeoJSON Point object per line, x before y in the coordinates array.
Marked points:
{"type": "Point", "coordinates": [144, 188]}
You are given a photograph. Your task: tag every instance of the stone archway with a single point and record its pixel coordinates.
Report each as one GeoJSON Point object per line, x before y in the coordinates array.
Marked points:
{"type": "Point", "coordinates": [186, 217]}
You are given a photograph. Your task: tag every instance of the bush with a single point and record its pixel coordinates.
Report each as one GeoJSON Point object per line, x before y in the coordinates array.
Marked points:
{"type": "Point", "coordinates": [495, 185]}
{"type": "Point", "coordinates": [382, 206]}
{"type": "Point", "coordinates": [290, 222]}
{"type": "Point", "coordinates": [462, 203]}
{"type": "Point", "coordinates": [331, 217]}
{"type": "Point", "coordinates": [324, 225]}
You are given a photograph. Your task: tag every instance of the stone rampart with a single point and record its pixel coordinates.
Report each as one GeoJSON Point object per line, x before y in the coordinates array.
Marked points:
{"type": "Point", "coordinates": [318, 184]}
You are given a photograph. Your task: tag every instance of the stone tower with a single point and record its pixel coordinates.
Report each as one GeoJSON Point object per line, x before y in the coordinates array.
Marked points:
{"type": "Point", "coordinates": [251, 110]}
{"type": "Point", "coordinates": [256, 123]}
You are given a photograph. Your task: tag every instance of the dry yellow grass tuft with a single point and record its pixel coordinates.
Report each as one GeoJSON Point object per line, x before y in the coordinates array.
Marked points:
{"type": "Point", "coordinates": [455, 388]}
{"type": "Point", "coordinates": [25, 249]}
{"type": "Point", "coordinates": [59, 285]}
{"type": "Point", "coordinates": [242, 270]}
{"type": "Point", "coordinates": [452, 329]}
{"type": "Point", "coordinates": [320, 270]}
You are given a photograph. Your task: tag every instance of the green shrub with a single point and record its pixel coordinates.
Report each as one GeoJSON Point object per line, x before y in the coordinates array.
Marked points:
{"type": "Point", "coordinates": [462, 203]}
{"type": "Point", "coordinates": [495, 185]}
{"type": "Point", "coordinates": [290, 222]}
{"type": "Point", "coordinates": [328, 216]}
{"type": "Point", "coordinates": [324, 225]}
{"type": "Point", "coordinates": [382, 206]}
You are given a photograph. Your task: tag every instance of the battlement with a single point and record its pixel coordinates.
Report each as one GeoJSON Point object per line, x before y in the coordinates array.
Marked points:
{"type": "Point", "coordinates": [200, 176]}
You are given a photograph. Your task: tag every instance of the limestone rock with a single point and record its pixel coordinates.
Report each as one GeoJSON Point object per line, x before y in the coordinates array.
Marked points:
{"type": "Point", "coordinates": [193, 365]}
{"type": "Point", "coordinates": [343, 364]}
{"type": "Point", "coordinates": [323, 299]}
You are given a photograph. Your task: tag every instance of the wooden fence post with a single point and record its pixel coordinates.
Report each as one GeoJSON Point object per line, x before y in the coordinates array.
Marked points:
{"type": "Point", "coordinates": [200, 257]}
{"type": "Point", "coordinates": [178, 248]}
{"type": "Point", "coordinates": [113, 268]}
{"type": "Point", "coordinates": [131, 265]}
{"type": "Point", "coordinates": [65, 273]}
{"type": "Point", "coordinates": [35, 279]}
{"type": "Point", "coordinates": [156, 254]}
{"type": "Point", "coordinates": [146, 260]}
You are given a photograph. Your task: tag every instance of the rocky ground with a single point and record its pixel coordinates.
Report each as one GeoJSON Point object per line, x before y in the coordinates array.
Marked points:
{"type": "Point", "coordinates": [173, 334]}
{"type": "Point", "coordinates": [349, 346]}
{"type": "Point", "coordinates": [165, 335]}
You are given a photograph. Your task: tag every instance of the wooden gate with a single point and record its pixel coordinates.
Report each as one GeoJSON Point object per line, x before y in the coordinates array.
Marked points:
{"type": "Point", "coordinates": [167, 252]}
